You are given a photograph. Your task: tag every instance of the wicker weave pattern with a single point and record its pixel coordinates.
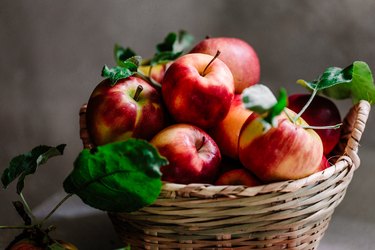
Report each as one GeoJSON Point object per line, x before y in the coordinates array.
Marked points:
{"type": "Point", "coordinates": [284, 215]}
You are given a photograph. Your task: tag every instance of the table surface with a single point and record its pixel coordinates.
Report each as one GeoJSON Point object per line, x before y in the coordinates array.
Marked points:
{"type": "Point", "coordinates": [352, 225]}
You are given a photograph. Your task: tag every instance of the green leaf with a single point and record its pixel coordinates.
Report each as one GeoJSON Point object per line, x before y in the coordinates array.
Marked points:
{"type": "Point", "coordinates": [355, 82]}
{"type": "Point", "coordinates": [122, 54]}
{"type": "Point", "coordinates": [56, 246]}
{"type": "Point", "coordinates": [129, 67]}
{"type": "Point", "coordinates": [121, 176]}
{"type": "Point", "coordinates": [260, 99]}
{"type": "Point", "coordinates": [172, 47]}
{"type": "Point", "coordinates": [282, 101]}
{"type": "Point", "coordinates": [26, 164]}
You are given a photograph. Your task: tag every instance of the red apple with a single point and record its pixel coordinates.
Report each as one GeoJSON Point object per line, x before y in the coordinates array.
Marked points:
{"type": "Point", "coordinates": [227, 131]}
{"type": "Point", "coordinates": [193, 155]}
{"type": "Point", "coordinates": [131, 108]}
{"type": "Point", "coordinates": [238, 176]}
{"type": "Point", "coordinates": [239, 55]}
{"type": "Point", "coordinates": [285, 152]}
{"type": "Point", "coordinates": [321, 112]}
{"type": "Point", "coordinates": [323, 164]}
{"type": "Point", "coordinates": [198, 89]}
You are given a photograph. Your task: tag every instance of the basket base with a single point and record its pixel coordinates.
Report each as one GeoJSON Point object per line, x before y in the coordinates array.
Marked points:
{"type": "Point", "coordinates": [306, 237]}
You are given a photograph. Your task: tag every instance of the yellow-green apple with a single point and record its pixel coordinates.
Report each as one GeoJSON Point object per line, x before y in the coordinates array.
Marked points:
{"type": "Point", "coordinates": [239, 56]}
{"type": "Point", "coordinates": [321, 112]}
{"type": "Point", "coordinates": [286, 151]}
{"type": "Point", "coordinates": [130, 108]}
{"type": "Point", "coordinates": [239, 176]}
{"type": "Point", "coordinates": [155, 72]}
{"type": "Point", "coordinates": [198, 89]}
{"type": "Point", "coordinates": [227, 131]}
{"type": "Point", "coordinates": [192, 154]}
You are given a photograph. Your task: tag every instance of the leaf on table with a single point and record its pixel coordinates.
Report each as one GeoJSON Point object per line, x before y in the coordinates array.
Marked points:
{"type": "Point", "coordinates": [355, 82]}
{"type": "Point", "coordinates": [119, 177]}
{"type": "Point", "coordinates": [26, 164]}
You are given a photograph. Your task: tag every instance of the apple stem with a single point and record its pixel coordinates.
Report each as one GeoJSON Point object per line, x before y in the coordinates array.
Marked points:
{"type": "Point", "coordinates": [203, 141]}
{"type": "Point", "coordinates": [213, 59]}
{"type": "Point", "coordinates": [306, 105]}
{"type": "Point", "coordinates": [138, 92]}
{"type": "Point", "coordinates": [323, 127]}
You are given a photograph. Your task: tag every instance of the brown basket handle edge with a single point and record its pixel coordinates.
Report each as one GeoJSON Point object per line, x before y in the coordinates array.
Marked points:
{"type": "Point", "coordinates": [356, 121]}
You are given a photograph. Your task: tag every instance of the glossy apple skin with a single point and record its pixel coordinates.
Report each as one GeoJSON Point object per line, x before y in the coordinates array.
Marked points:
{"type": "Point", "coordinates": [238, 176]}
{"type": "Point", "coordinates": [114, 115]}
{"type": "Point", "coordinates": [193, 155]}
{"type": "Point", "coordinates": [194, 98]}
{"type": "Point", "coordinates": [321, 112]}
{"type": "Point", "coordinates": [26, 244]}
{"type": "Point", "coordinates": [157, 71]}
{"type": "Point", "coordinates": [285, 152]}
{"type": "Point", "coordinates": [227, 131]}
{"type": "Point", "coordinates": [238, 55]}
{"type": "Point", "coordinates": [324, 164]}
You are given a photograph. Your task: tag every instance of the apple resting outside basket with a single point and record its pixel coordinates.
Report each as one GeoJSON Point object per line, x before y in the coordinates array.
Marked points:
{"type": "Point", "coordinates": [284, 215]}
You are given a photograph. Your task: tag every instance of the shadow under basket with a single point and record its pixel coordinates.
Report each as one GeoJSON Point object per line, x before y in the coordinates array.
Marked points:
{"type": "Point", "coordinates": [291, 214]}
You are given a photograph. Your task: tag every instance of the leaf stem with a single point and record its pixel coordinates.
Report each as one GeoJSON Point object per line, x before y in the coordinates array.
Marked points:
{"type": "Point", "coordinates": [149, 79]}
{"type": "Point", "coordinates": [27, 207]}
{"type": "Point", "coordinates": [55, 208]}
{"type": "Point", "coordinates": [16, 227]}
{"type": "Point", "coordinates": [323, 127]}
{"type": "Point", "coordinates": [306, 105]}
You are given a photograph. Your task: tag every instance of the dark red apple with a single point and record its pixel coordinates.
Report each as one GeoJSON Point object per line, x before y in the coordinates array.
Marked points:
{"type": "Point", "coordinates": [192, 154]}
{"type": "Point", "coordinates": [238, 176]}
{"type": "Point", "coordinates": [131, 108]}
{"type": "Point", "coordinates": [321, 112]}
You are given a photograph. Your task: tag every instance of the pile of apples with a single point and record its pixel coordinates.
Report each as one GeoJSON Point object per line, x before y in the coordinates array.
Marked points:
{"type": "Point", "coordinates": [197, 120]}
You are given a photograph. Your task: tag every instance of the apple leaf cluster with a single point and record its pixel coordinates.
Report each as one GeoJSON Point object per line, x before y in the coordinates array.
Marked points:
{"type": "Point", "coordinates": [126, 68]}
{"type": "Point", "coordinates": [120, 176]}
{"type": "Point", "coordinates": [354, 81]}
{"type": "Point", "coordinates": [173, 47]}
{"type": "Point", "coordinates": [27, 163]}
{"type": "Point", "coordinates": [127, 61]}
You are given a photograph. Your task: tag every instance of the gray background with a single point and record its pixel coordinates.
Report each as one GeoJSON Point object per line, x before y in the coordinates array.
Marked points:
{"type": "Point", "coordinates": [51, 54]}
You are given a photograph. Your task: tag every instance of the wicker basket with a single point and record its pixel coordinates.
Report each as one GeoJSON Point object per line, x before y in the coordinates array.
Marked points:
{"type": "Point", "coordinates": [284, 215]}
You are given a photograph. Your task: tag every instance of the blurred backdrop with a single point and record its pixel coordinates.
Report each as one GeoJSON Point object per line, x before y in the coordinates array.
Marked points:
{"type": "Point", "coordinates": [52, 52]}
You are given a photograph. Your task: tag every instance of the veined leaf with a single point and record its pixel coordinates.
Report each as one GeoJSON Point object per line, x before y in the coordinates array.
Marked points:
{"type": "Point", "coordinates": [260, 99]}
{"type": "Point", "coordinates": [355, 82]}
{"type": "Point", "coordinates": [172, 47]}
{"type": "Point", "coordinates": [122, 54]}
{"type": "Point", "coordinates": [282, 102]}
{"type": "Point", "coordinates": [26, 164]}
{"type": "Point", "coordinates": [129, 67]}
{"type": "Point", "coordinates": [121, 176]}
